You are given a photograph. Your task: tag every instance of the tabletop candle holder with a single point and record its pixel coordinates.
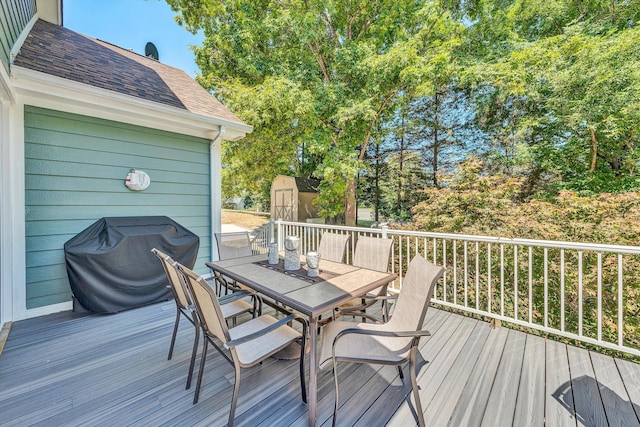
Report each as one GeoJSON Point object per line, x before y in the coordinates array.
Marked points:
{"type": "Point", "coordinates": [292, 253]}
{"type": "Point", "coordinates": [313, 264]}
{"type": "Point", "coordinates": [273, 253]}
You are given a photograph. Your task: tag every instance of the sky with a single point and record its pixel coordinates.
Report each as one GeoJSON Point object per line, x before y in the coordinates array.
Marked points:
{"type": "Point", "coordinates": [133, 23]}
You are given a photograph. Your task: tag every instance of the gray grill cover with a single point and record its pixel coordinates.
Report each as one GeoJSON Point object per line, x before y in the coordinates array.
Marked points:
{"type": "Point", "coordinates": [111, 267]}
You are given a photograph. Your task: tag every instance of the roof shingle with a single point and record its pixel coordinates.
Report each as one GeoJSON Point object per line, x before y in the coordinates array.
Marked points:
{"type": "Point", "coordinates": [60, 52]}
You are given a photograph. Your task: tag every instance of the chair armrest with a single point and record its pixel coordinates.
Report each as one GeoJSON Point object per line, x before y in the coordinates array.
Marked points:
{"type": "Point", "coordinates": [236, 295]}
{"type": "Point", "coordinates": [261, 332]}
{"type": "Point", "coordinates": [381, 297]}
{"type": "Point", "coordinates": [401, 334]}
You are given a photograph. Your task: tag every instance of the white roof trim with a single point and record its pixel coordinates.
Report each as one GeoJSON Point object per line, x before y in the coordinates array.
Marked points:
{"type": "Point", "coordinates": [47, 91]}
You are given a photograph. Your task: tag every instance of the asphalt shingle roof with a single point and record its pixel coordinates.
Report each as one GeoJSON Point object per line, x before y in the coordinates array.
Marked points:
{"type": "Point", "coordinates": [61, 52]}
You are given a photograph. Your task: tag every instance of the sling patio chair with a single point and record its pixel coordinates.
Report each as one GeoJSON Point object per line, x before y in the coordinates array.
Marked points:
{"type": "Point", "coordinates": [248, 344]}
{"type": "Point", "coordinates": [372, 253]}
{"type": "Point", "coordinates": [332, 246]}
{"type": "Point", "coordinates": [232, 306]}
{"type": "Point", "coordinates": [231, 245]}
{"type": "Point", "coordinates": [392, 343]}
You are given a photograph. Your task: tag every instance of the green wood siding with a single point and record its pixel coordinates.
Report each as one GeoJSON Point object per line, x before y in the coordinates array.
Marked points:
{"type": "Point", "coordinates": [75, 168]}
{"type": "Point", "coordinates": [14, 16]}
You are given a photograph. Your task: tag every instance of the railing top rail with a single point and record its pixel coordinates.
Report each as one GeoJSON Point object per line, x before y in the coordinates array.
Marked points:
{"type": "Point", "coordinates": [486, 239]}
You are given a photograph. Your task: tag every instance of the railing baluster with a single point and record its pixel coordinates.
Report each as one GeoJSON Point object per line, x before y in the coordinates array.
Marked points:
{"type": "Point", "coordinates": [562, 290]}
{"type": "Point", "coordinates": [444, 264]}
{"type": "Point", "coordinates": [502, 280]}
{"type": "Point", "coordinates": [530, 284]}
{"type": "Point", "coordinates": [599, 296]}
{"type": "Point", "coordinates": [455, 272]}
{"type": "Point", "coordinates": [435, 250]}
{"type": "Point", "coordinates": [580, 293]}
{"type": "Point", "coordinates": [400, 264]}
{"type": "Point", "coordinates": [489, 297]}
{"type": "Point", "coordinates": [620, 304]}
{"type": "Point", "coordinates": [546, 287]}
{"type": "Point", "coordinates": [393, 262]}
{"type": "Point", "coordinates": [477, 276]}
{"type": "Point", "coordinates": [515, 282]}
{"type": "Point", "coordinates": [466, 277]}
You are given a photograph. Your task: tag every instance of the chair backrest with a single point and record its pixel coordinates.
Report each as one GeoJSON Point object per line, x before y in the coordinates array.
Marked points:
{"type": "Point", "coordinates": [233, 245]}
{"type": "Point", "coordinates": [373, 253]}
{"type": "Point", "coordinates": [177, 287]}
{"type": "Point", "coordinates": [206, 304]}
{"type": "Point", "coordinates": [415, 295]}
{"type": "Point", "coordinates": [332, 246]}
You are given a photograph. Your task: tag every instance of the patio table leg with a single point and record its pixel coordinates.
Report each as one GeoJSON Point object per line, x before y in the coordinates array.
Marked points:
{"type": "Point", "coordinates": [313, 371]}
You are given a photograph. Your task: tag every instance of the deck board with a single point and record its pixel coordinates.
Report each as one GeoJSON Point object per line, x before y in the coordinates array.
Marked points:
{"type": "Point", "coordinates": [475, 394]}
{"type": "Point", "coordinates": [530, 401]}
{"type": "Point", "coordinates": [559, 411]}
{"type": "Point", "coordinates": [616, 402]}
{"type": "Point", "coordinates": [441, 407]}
{"type": "Point", "coordinates": [630, 374]}
{"type": "Point", "coordinates": [431, 378]}
{"type": "Point", "coordinates": [584, 388]}
{"type": "Point", "coordinates": [78, 370]}
{"type": "Point", "coordinates": [501, 403]}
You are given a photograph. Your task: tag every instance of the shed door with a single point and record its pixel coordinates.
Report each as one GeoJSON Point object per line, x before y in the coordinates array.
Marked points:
{"type": "Point", "coordinates": [284, 204]}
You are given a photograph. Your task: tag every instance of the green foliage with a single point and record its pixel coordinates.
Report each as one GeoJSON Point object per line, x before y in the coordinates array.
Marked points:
{"type": "Point", "coordinates": [475, 202]}
{"type": "Point", "coordinates": [563, 84]}
{"type": "Point", "coordinates": [279, 111]}
{"type": "Point", "coordinates": [351, 59]}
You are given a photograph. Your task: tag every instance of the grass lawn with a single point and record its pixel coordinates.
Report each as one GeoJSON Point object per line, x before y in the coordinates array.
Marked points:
{"type": "Point", "coordinates": [246, 220]}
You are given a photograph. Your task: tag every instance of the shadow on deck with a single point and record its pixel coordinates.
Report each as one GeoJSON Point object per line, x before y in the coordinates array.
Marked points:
{"type": "Point", "coordinates": [69, 369]}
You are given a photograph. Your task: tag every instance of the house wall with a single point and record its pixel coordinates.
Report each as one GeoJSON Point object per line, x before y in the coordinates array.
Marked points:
{"type": "Point", "coordinates": [75, 167]}
{"type": "Point", "coordinates": [14, 16]}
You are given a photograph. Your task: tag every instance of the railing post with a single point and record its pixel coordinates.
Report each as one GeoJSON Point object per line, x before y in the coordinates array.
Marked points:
{"type": "Point", "coordinates": [272, 238]}
{"type": "Point", "coordinates": [279, 234]}
{"type": "Point", "coordinates": [384, 231]}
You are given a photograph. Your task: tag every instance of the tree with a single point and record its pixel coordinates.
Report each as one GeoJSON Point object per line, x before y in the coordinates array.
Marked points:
{"type": "Point", "coordinates": [352, 59]}
{"type": "Point", "coordinates": [561, 85]}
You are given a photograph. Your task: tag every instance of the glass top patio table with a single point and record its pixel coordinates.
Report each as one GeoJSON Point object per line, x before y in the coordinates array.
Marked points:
{"type": "Point", "coordinates": [339, 284]}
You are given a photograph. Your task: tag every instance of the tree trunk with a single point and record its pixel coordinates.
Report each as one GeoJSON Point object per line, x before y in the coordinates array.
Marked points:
{"type": "Point", "coordinates": [400, 168]}
{"type": "Point", "coordinates": [350, 212]}
{"type": "Point", "coordinates": [377, 185]}
{"type": "Point", "coordinates": [594, 149]}
{"type": "Point", "coordinates": [436, 143]}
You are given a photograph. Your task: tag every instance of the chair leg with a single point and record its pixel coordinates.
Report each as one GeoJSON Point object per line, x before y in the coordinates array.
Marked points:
{"type": "Point", "coordinates": [400, 372]}
{"type": "Point", "coordinates": [335, 404]}
{"type": "Point", "coordinates": [303, 345]}
{"type": "Point", "coordinates": [175, 331]}
{"type": "Point", "coordinates": [234, 399]}
{"type": "Point", "coordinates": [203, 359]}
{"type": "Point", "coordinates": [414, 386]}
{"type": "Point", "coordinates": [194, 352]}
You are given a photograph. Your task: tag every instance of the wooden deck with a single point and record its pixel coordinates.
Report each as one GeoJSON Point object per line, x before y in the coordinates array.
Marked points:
{"type": "Point", "coordinates": [67, 369]}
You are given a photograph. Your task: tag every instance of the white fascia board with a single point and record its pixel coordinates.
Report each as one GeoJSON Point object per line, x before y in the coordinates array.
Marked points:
{"type": "Point", "coordinates": [47, 91]}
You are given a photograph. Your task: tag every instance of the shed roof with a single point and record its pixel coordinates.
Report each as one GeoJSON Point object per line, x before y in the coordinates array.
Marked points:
{"type": "Point", "coordinates": [307, 185]}
{"type": "Point", "coordinates": [61, 52]}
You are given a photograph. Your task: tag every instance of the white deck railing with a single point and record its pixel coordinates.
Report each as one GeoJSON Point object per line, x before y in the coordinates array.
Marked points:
{"type": "Point", "coordinates": [585, 292]}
